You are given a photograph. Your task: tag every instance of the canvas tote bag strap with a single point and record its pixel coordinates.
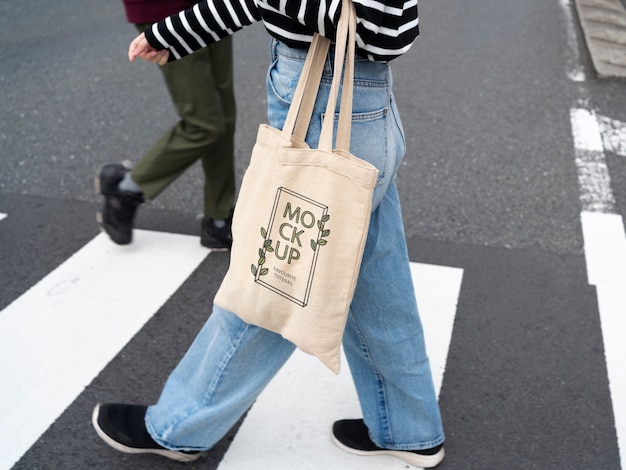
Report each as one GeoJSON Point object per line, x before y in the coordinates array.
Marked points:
{"type": "Point", "coordinates": [301, 109]}
{"type": "Point", "coordinates": [317, 52]}
{"type": "Point", "coordinates": [345, 111]}
{"type": "Point", "coordinates": [345, 37]}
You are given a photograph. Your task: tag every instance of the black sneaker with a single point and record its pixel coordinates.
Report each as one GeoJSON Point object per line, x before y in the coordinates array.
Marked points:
{"type": "Point", "coordinates": [352, 436]}
{"type": "Point", "coordinates": [118, 212]}
{"type": "Point", "coordinates": [216, 238]}
{"type": "Point", "coordinates": [123, 428]}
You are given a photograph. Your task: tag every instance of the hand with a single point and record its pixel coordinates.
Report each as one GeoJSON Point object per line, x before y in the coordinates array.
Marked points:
{"type": "Point", "coordinates": [142, 49]}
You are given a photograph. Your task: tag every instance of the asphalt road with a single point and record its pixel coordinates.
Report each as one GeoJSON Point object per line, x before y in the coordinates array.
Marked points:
{"type": "Point", "coordinates": [490, 185]}
{"type": "Point", "coordinates": [484, 95]}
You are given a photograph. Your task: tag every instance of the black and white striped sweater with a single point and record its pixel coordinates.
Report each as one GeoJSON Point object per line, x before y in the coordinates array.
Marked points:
{"type": "Point", "coordinates": [385, 28]}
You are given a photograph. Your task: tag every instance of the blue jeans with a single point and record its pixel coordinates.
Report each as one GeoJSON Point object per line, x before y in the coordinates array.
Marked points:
{"type": "Point", "coordinates": [230, 362]}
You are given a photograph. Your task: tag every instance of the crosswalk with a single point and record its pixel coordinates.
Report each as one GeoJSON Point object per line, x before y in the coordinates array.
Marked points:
{"type": "Point", "coordinates": [58, 336]}
{"type": "Point", "coordinates": [603, 229]}
{"type": "Point", "coordinates": [63, 331]}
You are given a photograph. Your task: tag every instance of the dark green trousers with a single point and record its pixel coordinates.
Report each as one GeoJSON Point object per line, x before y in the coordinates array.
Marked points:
{"type": "Point", "coordinates": [201, 87]}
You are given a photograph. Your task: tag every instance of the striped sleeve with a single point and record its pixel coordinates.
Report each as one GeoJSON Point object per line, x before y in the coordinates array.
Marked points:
{"type": "Point", "coordinates": [386, 29]}
{"type": "Point", "coordinates": [203, 24]}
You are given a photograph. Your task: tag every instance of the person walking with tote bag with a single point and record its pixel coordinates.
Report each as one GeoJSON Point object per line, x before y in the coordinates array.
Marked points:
{"type": "Point", "coordinates": [230, 362]}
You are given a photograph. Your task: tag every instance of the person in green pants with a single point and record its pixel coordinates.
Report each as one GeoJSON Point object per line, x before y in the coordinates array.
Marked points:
{"type": "Point", "coordinates": [202, 90]}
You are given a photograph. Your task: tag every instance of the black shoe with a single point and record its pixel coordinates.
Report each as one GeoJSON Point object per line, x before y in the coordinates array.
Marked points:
{"type": "Point", "coordinates": [118, 212]}
{"type": "Point", "coordinates": [352, 436]}
{"type": "Point", "coordinates": [216, 238]}
{"type": "Point", "coordinates": [123, 428]}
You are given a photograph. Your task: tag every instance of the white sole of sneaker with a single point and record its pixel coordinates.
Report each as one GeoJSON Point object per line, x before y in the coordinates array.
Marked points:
{"type": "Point", "coordinates": [170, 454]}
{"type": "Point", "coordinates": [417, 460]}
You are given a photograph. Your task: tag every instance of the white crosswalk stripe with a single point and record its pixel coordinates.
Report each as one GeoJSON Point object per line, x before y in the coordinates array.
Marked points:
{"type": "Point", "coordinates": [605, 245]}
{"type": "Point", "coordinates": [605, 252]}
{"type": "Point", "coordinates": [293, 416]}
{"type": "Point", "coordinates": [62, 332]}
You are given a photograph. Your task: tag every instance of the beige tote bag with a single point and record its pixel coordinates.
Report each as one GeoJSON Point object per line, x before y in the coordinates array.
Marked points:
{"type": "Point", "coordinates": [302, 215]}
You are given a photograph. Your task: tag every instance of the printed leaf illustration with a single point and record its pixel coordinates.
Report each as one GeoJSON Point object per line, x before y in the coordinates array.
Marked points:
{"type": "Point", "coordinates": [324, 232]}
{"type": "Point", "coordinates": [267, 246]}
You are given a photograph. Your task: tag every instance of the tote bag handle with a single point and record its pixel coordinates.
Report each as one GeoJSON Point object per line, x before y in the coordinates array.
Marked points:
{"type": "Point", "coordinates": [301, 109]}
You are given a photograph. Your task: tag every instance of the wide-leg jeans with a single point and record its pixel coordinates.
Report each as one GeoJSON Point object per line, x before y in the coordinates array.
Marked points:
{"type": "Point", "coordinates": [230, 362]}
